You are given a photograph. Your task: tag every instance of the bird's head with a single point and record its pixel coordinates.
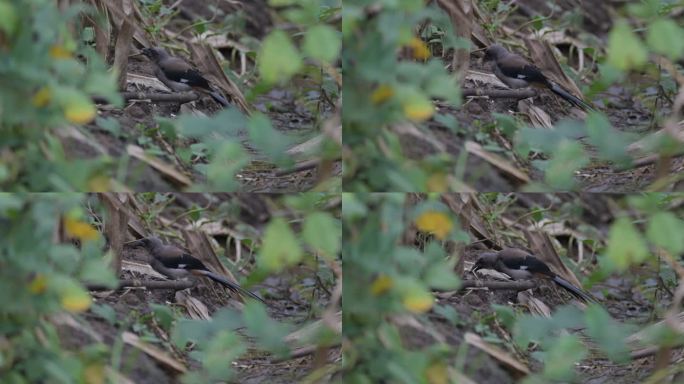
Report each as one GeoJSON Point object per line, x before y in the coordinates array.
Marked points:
{"type": "Point", "coordinates": [486, 260]}
{"type": "Point", "coordinates": [154, 53]}
{"type": "Point", "coordinates": [494, 52]}
{"type": "Point", "coordinates": [145, 242]}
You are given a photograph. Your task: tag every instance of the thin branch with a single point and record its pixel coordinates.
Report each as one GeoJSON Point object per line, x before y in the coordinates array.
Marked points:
{"type": "Point", "coordinates": [149, 284]}
{"type": "Point", "coordinates": [501, 93]}
{"type": "Point", "coordinates": [181, 97]}
{"type": "Point", "coordinates": [499, 285]}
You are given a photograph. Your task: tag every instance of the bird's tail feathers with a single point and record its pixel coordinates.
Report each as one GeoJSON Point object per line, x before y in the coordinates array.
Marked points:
{"type": "Point", "coordinates": [219, 99]}
{"type": "Point", "coordinates": [577, 292]}
{"type": "Point", "coordinates": [230, 285]}
{"type": "Point", "coordinates": [579, 103]}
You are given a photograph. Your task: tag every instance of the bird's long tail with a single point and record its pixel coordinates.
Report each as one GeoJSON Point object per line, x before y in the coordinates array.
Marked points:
{"type": "Point", "coordinates": [579, 103]}
{"type": "Point", "coordinates": [230, 285]}
{"type": "Point", "coordinates": [219, 99]}
{"type": "Point", "coordinates": [577, 292]}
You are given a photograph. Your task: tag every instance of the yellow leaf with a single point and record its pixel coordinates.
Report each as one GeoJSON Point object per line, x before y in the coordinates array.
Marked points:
{"type": "Point", "coordinates": [437, 373]}
{"type": "Point", "coordinates": [79, 229]}
{"type": "Point", "coordinates": [60, 52]}
{"type": "Point", "coordinates": [419, 49]}
{"type": "Point", "coordinates": [381, 284]}
{"type": "Point", "coordinates": [42, 97]}
{"type": "Point", "coordinates": [437, 223]}
{"type": "Point", "coordinates": [382, 93]}
{"type": "Point", "coordinates": [437, 182]}
{"type": "Point", "coordinates": [38, 284]}
{"type": "Point", "coordinates": [99, 183]}
{"type": "Point", "coordinates": [94, 373]}
{"type": "Point", "coordinates": [80, 111]}
{"type": "Point", "coordinates": [418, 110]}
{"type": "Point", "coordinates": [75, 299]}
{"type": "Point", "coordinates": [418, 300]}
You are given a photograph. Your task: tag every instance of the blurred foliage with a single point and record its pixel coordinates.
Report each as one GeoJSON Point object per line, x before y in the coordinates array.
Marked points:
{"type": "Point", "coordinates": [40, 279]}
{"type": "Point", "coordinates": [386, 278]}
{"type": "Point", "coordinates": [393, 257]}
{"type": "Point", "coordinates": [47, 78]}
{"type": "Point", "coordinates": [382, 89]}
{"type": "Point", "coordinates": [49, 72]}
{"type": "Point", "coordinates": [632, 47]}
{"type": "Point", "coordinates": [391, 80]}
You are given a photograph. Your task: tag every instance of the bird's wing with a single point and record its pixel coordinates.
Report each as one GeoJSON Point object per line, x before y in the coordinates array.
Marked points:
{"type": "Point", "coordinates": [179, 71]}
{"type": "Point", "coordinates": [516, 67]}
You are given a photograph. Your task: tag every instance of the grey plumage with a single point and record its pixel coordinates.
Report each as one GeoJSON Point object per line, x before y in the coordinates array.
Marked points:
{"type": "Point", "coordinates": [516, 72]}
{"type": "Point", "coordinates": [175, 263]}
{"type": "Point", "coordinates": [521, 265]}
{"type": "Point", "coordinates": [180, 76]}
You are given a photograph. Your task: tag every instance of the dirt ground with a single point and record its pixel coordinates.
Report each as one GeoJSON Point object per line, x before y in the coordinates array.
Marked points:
{"type": "Point", "coordinates": [627, 105]}
{"type": "Point", "coordinates": [297, 109]}
{"type": "Point", "coordinates": [636, 298]}
{"type": "Point", "coordinates": [624, 112]}
{"type": "Point", "coordinates": [133, 312]}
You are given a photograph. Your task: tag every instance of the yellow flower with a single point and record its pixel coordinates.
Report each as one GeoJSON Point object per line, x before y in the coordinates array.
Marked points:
{"type": "Point", "coordinates": [79, 229]}
{"type": "Point", "coordinates": [419, 49]}
{"type": "Point", "coordinates": [382, 93]}
{"type": "Point", "coordinates": [381, 284]}
{"type": "Point", "coordinates": [437, 223]}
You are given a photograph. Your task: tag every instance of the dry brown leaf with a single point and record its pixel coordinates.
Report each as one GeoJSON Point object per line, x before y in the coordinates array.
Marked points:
{"type": "Point", "coordinates": [195, 308]}
{"type": "Point", "coordinates": [504, 357]}
{"type": "Point", "coordinates": [161, 166]}
{"type": "Point", "coordinates": [497, 161]}
{"type": "Point", "coordinates": [154, 352]}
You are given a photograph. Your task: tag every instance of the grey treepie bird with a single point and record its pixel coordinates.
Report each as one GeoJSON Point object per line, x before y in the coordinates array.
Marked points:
{"type": "Point", "coordinates": [175, 263]}
{"type": "Point", "coordinates": [180, 76]}
{"type": "Point", "coordinates": [516, 72]}
{"type": "Point", "coordinates": [521, 265]}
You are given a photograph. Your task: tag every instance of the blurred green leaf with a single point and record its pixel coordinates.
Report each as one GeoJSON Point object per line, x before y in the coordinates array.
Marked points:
{"type": "Point", "coordinates": [625, 244]}
{"type": "Point", "coordinates": [268, 140]}
{"type": "Point", "coordinates": [280, 247]}
{"type": "Point", "coordinates": [105, 311]}
{"type": "Point", "coordinates": [164, 315]}
{"type": "Point", "coordinates": [560, 360]}
{"type": "Point", "coordinates": [568, 158]}
{"type": "Point", "coordinates": [665, 37]}
{"type": "Point", "coordinates": [608, 333]}
{"type": "Point", "coordinates": [323, 233]}
{"type": "Point", "coordinates": [278, 58]}
{"type": "Point", "coordinates": [269, 333]}
{"type": "Point", "coordinates": [625, 49]}
{"type": "Point", "coordinates": [611, 143]}
{"type": "Point", "coordinates": [322, 42]}
{"type": "Point", "coordinates": [665, 230]}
